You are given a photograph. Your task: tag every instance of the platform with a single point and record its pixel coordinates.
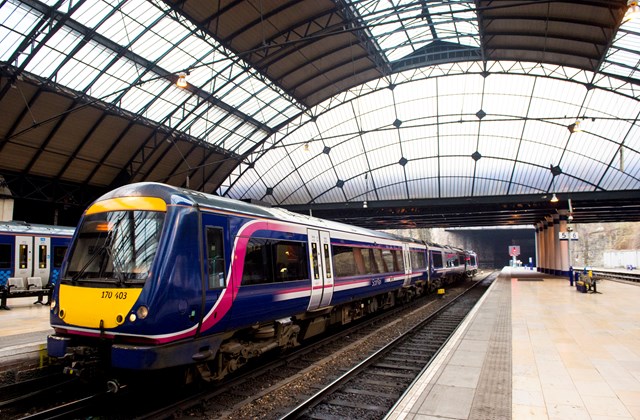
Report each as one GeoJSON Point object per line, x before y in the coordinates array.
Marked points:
{"type": "Point", "coordinates": [23, 330]}
{"type": "Point", "coordinates": [535, 348]}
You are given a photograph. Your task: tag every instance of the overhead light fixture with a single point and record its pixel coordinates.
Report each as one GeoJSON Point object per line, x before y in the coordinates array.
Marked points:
{"type": "Point", "coordinates": [554, 199]}
{"type": "Point", "coordinates": [575, 127]}
{"type": "Point", "coordinates": [306, 147]}
{"type": "Point", "coordinates": [632, 12]}
{"type": "Point", "coordinates": [182, 80]}
{"type": "Point", "coordinates": [364, 205]}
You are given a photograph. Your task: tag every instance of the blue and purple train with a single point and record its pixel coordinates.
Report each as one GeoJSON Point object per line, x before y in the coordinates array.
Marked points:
{"type": "Point", "coordinates": [160, 277]}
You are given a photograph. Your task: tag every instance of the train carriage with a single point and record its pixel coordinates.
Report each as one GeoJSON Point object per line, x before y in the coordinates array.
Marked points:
{"type": "Point", "coordinates": [471, 263]}
{"type": "Point", "coordinates": [159, 276]}
{"type": "Point", "coordinates": [32, 251]}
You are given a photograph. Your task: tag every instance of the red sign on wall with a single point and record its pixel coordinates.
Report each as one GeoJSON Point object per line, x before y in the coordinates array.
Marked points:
{"type": "Point", "coordinates": [514, 250]}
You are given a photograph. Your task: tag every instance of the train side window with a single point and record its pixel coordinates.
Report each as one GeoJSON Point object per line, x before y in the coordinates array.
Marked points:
{"type": "Point", "coordinates": [436, 258]}
{"type": "Point", "coordinates": [42, 256]}
{"type": "Point", "coordinates": [418, 260]}
{"type": "Point", "coordinates": [375, 266]}
{"type": "Point", "coordinates": [23, 256]}
{"type": "Point", "coordinates": [290, 260]}
{"type": "Point", "coordinates": [215, 258]}
{"type": "Point", "coordinates": [344, 262]}
{"type": "Point", "coordinates": [389, 265]}
{"type": "Point", "coordinates": [58, 255]}
{"type": "Point", "coordinates": [377, 255]}
{"type": "Point", "coordinates": [398, 261]}
{"type": "Point", "coordinates": [257, 262]}
{"type": "Point", "coordinates": [5, 256]}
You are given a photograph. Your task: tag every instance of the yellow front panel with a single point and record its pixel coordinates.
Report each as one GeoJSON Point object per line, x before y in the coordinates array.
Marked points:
{"type": "Point", "coordinates": [128, 203]}
{"type": "Point", "coordinates": [87, 306]}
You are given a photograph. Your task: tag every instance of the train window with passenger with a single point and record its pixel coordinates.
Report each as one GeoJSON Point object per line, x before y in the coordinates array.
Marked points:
{"type": "Point", "coordinates": [452, 260]}
{"type": "Point", "coordinates": [291, 260]}
{"type": "Point", "coordinates": [436, 258]}
{"type": "Point", "coordinates": [5, 256]}
{"type": "Point", "coordinates": [215, 258]}
{"type": "Point", "coordinates": [269, 261]}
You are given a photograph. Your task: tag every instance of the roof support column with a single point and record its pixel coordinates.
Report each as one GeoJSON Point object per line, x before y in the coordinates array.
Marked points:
{"type": "Point", "coordinates": [6, 201]}
{"type": "Point", "coordinates": [548, 241]}
{"type": "Point", "coordinates": [557, 255]}
{"type": "Point", "coordinates": [564, 245]}
{"type": "Point", "coordinates": [539, 246]}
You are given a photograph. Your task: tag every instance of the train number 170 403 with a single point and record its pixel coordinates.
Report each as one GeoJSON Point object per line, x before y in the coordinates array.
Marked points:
{"type": "Point", "coordinates": [107, 294]}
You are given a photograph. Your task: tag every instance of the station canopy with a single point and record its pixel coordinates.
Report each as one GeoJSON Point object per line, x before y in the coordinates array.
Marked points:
{"type": "Point", "coordinates": [379, 113]}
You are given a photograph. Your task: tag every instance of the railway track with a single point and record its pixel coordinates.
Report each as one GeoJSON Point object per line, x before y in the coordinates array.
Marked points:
{"type": "Point", "coordinates": [370, 389]}
{"type": "Point", "coordinates": [46, 397]}
{"type": "Point", "coordinates": [259, 391]}
{"type": "Point", "coordinates": [630, 276]}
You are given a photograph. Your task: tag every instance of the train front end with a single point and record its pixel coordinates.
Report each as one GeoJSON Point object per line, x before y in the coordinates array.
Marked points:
{"type": "Point", "coordinates": [120, 302]}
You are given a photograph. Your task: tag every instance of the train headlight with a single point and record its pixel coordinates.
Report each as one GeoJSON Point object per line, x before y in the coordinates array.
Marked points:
{"type": "Point", "coordinates": [132, 318]}
{"type": "Point", "coordinates": [142, 312]}
{"type": "Point", "coordinates": [53, 304]}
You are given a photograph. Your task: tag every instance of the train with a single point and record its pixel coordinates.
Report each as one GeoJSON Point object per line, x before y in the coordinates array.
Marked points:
{"type": "Point", "coordinates": [30, 251]}
{"type": "Point", "coordinates": [160, 277]}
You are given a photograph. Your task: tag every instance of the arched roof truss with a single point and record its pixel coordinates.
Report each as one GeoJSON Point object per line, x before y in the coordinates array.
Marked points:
{"type": "Point", "coordinates": [324, 102]}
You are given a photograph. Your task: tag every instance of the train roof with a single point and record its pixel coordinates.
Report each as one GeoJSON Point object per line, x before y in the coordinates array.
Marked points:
{"type": "Point", "coordinates": [18, 227]}
{"type": "Point", "coordinates": [175, 195]}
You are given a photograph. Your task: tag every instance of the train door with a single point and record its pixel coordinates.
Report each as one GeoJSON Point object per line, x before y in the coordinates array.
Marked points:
{"type": "Point", "coordinates": [406, 256]}
{"type": "Point", "coordinates": [216, 257]}
{"type": "Point", "coordinates": [23, 261]}
{"type": "Point", "coordinates": [321, 268]}
{"type": "Point", "coordinates": [42, 258]}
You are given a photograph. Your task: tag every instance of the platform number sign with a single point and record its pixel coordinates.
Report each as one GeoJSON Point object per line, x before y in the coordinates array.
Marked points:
{"type": "Point", "coordinates": [565, 236]}
{"type": "Point", "coordinates": [514, 250]}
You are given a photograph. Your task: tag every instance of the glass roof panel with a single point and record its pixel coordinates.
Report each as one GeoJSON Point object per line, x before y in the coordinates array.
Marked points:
{"type": "Point", "coordinates": [157, 44]}
{"type": "Point", "coordinates": [51, 56]}
{"type": "Point", "coordinates": [439, 116]}
{"type": "Point", "coordinates": [623, 56]}
{"type": "Point", "coordinates": [423, 188]}
{"type": "Point", "coordinates": [122, 28]}
{"type": "Point", "coordinates": [90, 13]}
{"type": "Point", "coordinates": [16, 21]}
{"type": "Point", "coordinates": [401, 27]}
{"type": "Point", "coordinates": [351, 169]}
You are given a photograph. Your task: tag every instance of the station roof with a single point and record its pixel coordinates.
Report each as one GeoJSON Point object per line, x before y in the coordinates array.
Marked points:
{"type": "Point", "coordinates": [434, 113]}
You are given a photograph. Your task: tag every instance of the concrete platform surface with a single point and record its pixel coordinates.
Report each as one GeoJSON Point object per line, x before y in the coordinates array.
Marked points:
{"type": "Point", "coordinates": [536, 348]}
